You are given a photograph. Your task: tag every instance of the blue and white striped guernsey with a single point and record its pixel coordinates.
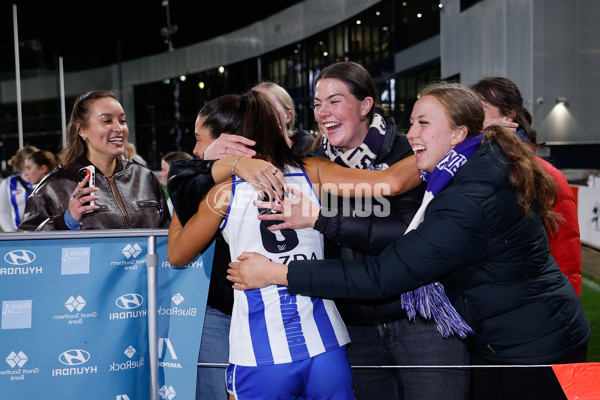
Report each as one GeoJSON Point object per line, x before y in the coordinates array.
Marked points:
{"type": "Point", "coordinates": [269, 326]}
{"type": "Point", "coordinates": [12, 205]}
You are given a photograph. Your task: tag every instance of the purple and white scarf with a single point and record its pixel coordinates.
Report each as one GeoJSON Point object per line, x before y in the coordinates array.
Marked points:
{"type": "Point", "coordinates": [430, 300]}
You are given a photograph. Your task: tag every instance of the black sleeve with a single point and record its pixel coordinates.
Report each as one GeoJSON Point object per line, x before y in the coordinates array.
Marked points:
{"type": "Point", "coordinates": [370, 229]}
{"type": "Point", "coordinates": [453, 235]}
{"type": "Point", "coordinates": [187, 183]}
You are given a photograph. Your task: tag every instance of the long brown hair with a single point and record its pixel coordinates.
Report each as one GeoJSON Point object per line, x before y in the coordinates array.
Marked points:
{"type": "Point", "coordinates": [259, 122]}
{"type": "Point", "coordinates": [505, 95]}
{"type": "Point", "coordinates": [76, 146]}
{"type": "Point", "coordinates": [528, 179]}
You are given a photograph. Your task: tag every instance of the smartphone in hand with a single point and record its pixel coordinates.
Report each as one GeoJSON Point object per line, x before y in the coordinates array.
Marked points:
{"type": "Point", "coordinates": [90, 171]}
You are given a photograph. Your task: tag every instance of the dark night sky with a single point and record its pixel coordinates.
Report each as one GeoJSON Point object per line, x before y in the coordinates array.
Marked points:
{"type": "Point", "coordinates": [89, 34]}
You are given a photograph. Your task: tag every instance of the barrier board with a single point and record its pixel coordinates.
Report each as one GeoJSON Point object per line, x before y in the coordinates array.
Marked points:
{"type": "Point", "coordinates": [74, 319]}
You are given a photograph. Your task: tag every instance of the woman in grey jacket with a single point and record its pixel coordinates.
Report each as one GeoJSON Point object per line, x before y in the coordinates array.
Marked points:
{"type": "Point", "coordinates": [125, 195]}
{"type": "Point", "coordinates": [480, 232]}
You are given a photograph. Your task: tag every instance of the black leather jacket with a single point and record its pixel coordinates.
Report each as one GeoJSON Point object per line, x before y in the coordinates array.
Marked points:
{"type": "Point", "coordinates": [131, 198]}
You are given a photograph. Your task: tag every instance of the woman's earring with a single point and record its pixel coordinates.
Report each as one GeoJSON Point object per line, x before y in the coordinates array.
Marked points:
{"type": "Point", "coordinates": [84, 138]}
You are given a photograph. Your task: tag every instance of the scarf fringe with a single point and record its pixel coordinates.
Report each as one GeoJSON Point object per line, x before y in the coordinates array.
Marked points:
{"type": "Point", "coordinates": [432, 303]}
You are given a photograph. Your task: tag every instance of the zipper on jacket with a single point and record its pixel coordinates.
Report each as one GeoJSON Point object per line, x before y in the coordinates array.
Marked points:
{"type": "Point", "coordinates": [150, 204]}
{"type": "Point", "coordinates": [118, 198]}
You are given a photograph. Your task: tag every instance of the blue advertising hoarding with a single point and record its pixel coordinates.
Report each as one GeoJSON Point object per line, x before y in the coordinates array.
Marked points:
{"type": "Point", "coordinates": [75, 318]}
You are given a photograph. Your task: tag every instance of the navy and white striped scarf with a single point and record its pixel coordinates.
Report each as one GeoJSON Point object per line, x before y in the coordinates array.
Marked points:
{"type": "Point", "coordinates": [363, 156]}
{"type": "Point", "coordinates": [430, 300]}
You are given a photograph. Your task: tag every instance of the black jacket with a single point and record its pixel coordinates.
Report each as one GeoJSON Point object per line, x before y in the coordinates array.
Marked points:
{"type": "Point", "coordinates": [131, 198]}
{"type": "Point", "coordinates": [351, 236]}
{"type": "Point", "coordinates": [187, 183]}
{"type": "Point", "coordinates": [493, 261]}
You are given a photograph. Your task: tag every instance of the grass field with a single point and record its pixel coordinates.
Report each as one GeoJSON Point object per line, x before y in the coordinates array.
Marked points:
{"type": "Point", "coordinates": [590, 298]}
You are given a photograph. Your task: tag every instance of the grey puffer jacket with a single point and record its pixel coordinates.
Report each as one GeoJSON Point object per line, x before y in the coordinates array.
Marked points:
{"type": "Point", "coordinates": [131, 199]}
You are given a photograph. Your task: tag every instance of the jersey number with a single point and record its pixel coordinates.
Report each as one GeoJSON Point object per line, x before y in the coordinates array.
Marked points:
{"type": "Point", "coordinates": [271, 241]}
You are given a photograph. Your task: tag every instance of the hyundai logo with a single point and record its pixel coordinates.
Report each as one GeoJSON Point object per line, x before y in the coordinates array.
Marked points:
{"type": "Point", "coordinates": [74, 357]}
{"type": "Point", "coordinates": [129, 301]}
{"type": "Point", "coordinates": [19, 257]}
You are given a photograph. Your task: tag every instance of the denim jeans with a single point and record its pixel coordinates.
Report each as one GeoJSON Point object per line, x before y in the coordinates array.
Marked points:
{"type": "Point", "coordinates": [214, 349]}
{"type": "Point", "coordinates": [407, 343]}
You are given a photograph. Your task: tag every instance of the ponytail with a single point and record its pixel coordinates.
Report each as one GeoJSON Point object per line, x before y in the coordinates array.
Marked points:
{"type": "Point", "coordinates": [528, 179]}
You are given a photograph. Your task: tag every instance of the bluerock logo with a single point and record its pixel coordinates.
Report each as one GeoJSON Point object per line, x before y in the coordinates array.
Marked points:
{"type": "Point", "coordinates": [177, 299]}
{"type": "Point", "coordinates": [167, 392]}
{"type": "Point", "coordinates": [129, 301]}
{"type": "Point", "coordinates": [131, 251]}
{"type": "Point", "coordinates": [129, 352]}
{"type": "Point", "coordinates": [74, 357]}
{"type": "Point", "coordinates": [73, 303]}
{"type": "Point", "coordinates": [122, 397]}
{"type": "Point", "coordinates": [16, 359]}
{"type": "Point", "coordinates": [19, 257]}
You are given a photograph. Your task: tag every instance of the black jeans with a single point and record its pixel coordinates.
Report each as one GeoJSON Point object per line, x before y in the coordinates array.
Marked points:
{"type": "Point", "coordinates": [411, 344]}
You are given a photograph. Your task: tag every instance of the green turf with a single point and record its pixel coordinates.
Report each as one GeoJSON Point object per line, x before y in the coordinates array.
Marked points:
{"type": "Point", "coordinates": [590, 298]}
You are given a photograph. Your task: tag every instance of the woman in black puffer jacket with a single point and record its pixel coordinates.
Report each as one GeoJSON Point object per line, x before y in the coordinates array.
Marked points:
{"type": "Point", "coordinates": [481, 233]}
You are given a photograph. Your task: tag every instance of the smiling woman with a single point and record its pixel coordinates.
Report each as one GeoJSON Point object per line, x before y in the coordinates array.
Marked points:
{"type": "Point", "coordinates": [124, 194]}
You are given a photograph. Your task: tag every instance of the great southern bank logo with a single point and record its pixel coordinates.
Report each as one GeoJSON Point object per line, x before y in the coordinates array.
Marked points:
{"type": "Point", "coordinates": [130, 304]}
{"type": "Point", "coordinates": [16, 359]}
{"type": "Point", "coordinates": [74, 361]}
{"type": "Point", "coordinates": [130, 262]}
{"type": "Point", "coordinates": [75, 303]}
{"type": "Point", "coordinates": [75, 260]}
{"type": "Point", "coordinates": [167, 392]}
{"type": "Point", "coordinates": [19, 257]}
{"type": "Point", "coordinates": [131, 251]}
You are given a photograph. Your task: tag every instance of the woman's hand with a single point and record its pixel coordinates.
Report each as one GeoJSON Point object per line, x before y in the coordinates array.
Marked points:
{"type": "Point", "coordinates": [227, 145]}
{"type": "Point", "coordinates": [296, 213]}
{"type": "Point", "coordinates": [505, 122]}
{"type": "Point", "coordinates": [255, 271]}
{"type": "Point", "coordinates": [268, 181]}
{"type": "Point", "coordinates": [80, 199]}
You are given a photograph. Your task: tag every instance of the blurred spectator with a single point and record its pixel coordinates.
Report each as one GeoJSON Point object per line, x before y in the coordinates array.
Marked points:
{"type": "Point", "coordinates": [14, 191]}
{"type": "Point", "coordinates": [37, 165]}
{"type": "Point", "coordinates": [131, 154]}
{"type": "Point", "coordinates": [164, 172]}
